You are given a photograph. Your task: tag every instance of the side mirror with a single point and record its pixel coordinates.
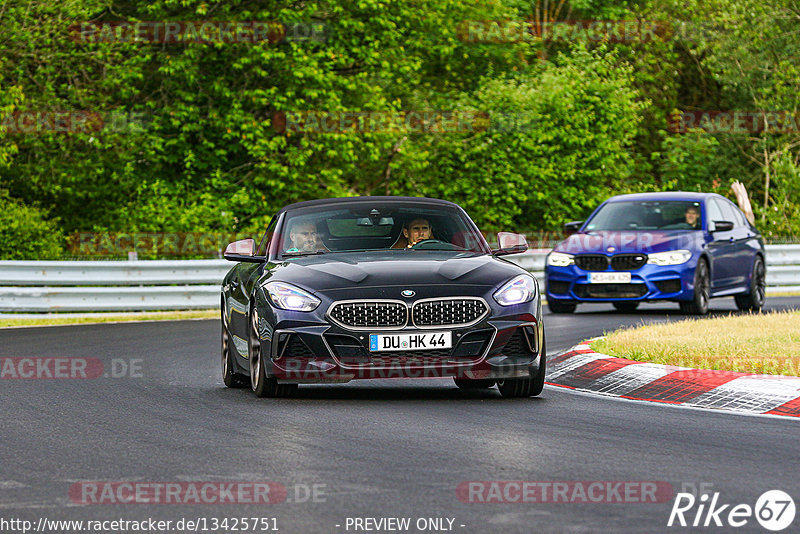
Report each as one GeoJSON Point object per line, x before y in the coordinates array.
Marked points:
{"type": "Point", "coordinates": [572, 227]}
{"type": "Point", "coordinates": [722, 226]}
{"type": "Point", "coordinates": [243, 250]}
{"type": "Point", "coordinates": [510, 243]}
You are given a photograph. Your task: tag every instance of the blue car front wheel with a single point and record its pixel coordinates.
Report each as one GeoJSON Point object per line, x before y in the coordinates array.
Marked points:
{"type": "Point", "coordinates": [754, 299]}
{"type": "Point", "coordinates": [702, 291]}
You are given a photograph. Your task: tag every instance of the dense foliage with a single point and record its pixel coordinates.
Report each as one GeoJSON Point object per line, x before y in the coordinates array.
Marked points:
{"type": "Point", "coordinates": [191, 141]}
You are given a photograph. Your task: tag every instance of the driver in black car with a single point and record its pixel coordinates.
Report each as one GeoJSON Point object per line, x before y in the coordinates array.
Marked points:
{"type": "Point", "coordinates": [304, 237]}
{"type": "Point", "coordinates": [417, 230]}
{"type": "Point", "coordinates": [414, 231]}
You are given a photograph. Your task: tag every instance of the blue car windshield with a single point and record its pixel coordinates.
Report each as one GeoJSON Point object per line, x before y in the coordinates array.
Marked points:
{"type": "Point", "coordinates": [646, 215]}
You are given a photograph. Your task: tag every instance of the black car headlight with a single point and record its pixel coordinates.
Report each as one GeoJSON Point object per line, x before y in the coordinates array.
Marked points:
{"type": "Point", "coordinates": [516, 291]}
{"type": "Point", "coordinates": [288, 297]}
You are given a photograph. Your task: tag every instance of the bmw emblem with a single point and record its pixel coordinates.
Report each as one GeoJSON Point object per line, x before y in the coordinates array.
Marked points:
{"type": "Point", "coordinates": [407, 293]}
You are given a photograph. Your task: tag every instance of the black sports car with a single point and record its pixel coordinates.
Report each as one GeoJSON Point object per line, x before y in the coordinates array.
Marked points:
{"type": "Point", "coordinates": [379, 287]}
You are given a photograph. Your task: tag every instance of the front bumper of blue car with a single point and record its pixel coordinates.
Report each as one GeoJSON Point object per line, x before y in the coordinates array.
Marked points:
{"type": "Point", "coordinates": [649, 282]}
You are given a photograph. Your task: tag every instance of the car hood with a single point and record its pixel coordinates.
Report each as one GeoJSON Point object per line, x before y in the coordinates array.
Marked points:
{"type": "Point", "coordinates": [620, 242]}
{"type": "Point", "coordinates": [395, 268]}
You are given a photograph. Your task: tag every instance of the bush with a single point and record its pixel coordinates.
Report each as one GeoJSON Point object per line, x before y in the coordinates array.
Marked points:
{"type": "Point", "coordinates": [26, 233]}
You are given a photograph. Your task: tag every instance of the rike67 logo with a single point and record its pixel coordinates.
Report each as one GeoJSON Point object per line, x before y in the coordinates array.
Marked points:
{"type": "Point", "coordinates": [774, 510]}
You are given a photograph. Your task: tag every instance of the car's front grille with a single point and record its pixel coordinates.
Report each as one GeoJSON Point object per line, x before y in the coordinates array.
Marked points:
{"type": "Point", "coordinates": [592, 262]}
{"type": "Point", "coordinates": [448, 312]}
{"type": "Point", "coordinates": [521, 342]}
{"type": "Point", "coordinates": [347, 349]}
{"type": "Point", "coordinates": [627, 262]}
{"type": "Point", "coordinates": [557, 287]}
{"type": "Point", "coordinates": [377, 314]}
{"type": "Point", "coordinates": [297, 349]}
{"type": "Point", "coordinates": [669, 286]}
{"type": "Point", "coordinates": [600, 291]}
{"type": "Point", "coordinates": [350, 351]}
{"type": "Point", "coordinates": [411, 358]}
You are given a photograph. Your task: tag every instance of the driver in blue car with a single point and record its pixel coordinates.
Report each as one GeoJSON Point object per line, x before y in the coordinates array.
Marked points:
{"type": "Point", "coordinates": [414, 231]}
{"type": "Point", "coordinates": [693, 217]}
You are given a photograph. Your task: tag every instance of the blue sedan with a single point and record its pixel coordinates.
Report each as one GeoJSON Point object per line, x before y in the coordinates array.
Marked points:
{"type": "Point", "coordinates": [681, 247]}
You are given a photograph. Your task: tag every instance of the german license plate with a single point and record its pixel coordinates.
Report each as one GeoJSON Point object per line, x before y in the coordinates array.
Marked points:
{"type": "Point", "coordinates": [609, 278]}
{"type": "Point", "coordinates": [415, 341]}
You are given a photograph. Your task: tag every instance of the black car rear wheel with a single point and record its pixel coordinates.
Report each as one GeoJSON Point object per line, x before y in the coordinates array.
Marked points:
{"type": "Point", "coordinates": [754, 300]}
{"type": "Point", "coordinates": [261, 384]}
{"type": "Point", "coordinates": [230, 377]}
{"type": "Point", "coordinates": [561, 306]}
{"type": "Point", "coordinates": [626, 306]}
{"type": "Point", "coordinates": [702, 291]}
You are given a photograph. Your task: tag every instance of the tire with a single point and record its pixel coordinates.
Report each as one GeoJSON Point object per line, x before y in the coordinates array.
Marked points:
{"type": "Point", "coordinates": [512, 388]}
{"type": "Point", "coordinates": [626, 306]}
{"type": "Point", "coordinates": [261, 384]}
{"type": "Point", "coordinates": [561, 306]}
{"type": "Point", "coordinates": [230, 377]}
{"type": "Point", "coordinates": [702, 291]}
{"type": "Point", "coordinates": [754, 300]}
{"type": "Point", "coordinates": [538, 379]}
{"type": "Point", "coordinates": [474, 383]}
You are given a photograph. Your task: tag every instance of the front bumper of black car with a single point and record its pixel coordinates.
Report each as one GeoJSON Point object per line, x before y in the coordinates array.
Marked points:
{"type": "Point", "coordinates": [312, 348]}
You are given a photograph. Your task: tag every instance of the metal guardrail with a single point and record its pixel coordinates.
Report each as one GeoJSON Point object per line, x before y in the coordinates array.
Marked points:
{"type": "Point", "coordinates": [52, 286]}
{"type": "Point", "coordinates": [81, 286]}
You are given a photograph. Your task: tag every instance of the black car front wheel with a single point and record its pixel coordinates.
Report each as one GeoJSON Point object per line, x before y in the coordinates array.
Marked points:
{"type": "Point", "coordinates": [474, 383]}
{"type": "Point", "coordinates": [230, 377]}
{"type": "Point", "coordinates": [754, 300]}
{"type": "Point", "coordinates": [525, 387]}
{"type": "Point", "coordinates": [702, 291]}
{"type": "Point", "coordinates": [261, 384]}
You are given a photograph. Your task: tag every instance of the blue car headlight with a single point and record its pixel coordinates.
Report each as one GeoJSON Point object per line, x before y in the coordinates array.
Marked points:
{"type": "Point", "coordinates": [516, 291]}
{"type": "Point", "coordinates": [673, 257]}
{"type": "Point", "coordinates": [288, 297]}
{"type": "Point", "coordinates": [559, 259]}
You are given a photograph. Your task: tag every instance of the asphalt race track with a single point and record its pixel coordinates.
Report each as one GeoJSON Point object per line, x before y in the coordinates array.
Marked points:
{"type": "Point", "coordinates": [375, 449]}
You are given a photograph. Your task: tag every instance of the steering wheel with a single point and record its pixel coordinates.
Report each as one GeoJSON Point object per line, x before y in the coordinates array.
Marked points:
{"type": "Point", "coordinates": [416, 246]}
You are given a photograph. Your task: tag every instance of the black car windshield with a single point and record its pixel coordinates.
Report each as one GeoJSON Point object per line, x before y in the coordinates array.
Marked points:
{"type": "Point", "coordinates": [366, 226]}
{"type": "Point", "coordinates": [646, 215]}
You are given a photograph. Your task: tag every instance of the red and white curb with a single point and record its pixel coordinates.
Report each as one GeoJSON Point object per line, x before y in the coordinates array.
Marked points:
{"type": "Point", "coordinates": [581, 368]}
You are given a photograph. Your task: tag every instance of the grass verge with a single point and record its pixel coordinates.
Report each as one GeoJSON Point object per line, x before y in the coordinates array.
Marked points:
{"type": "Point", "coordinates": [51, 320]}
{"type": "Point", "coordinates": [767, 343]}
